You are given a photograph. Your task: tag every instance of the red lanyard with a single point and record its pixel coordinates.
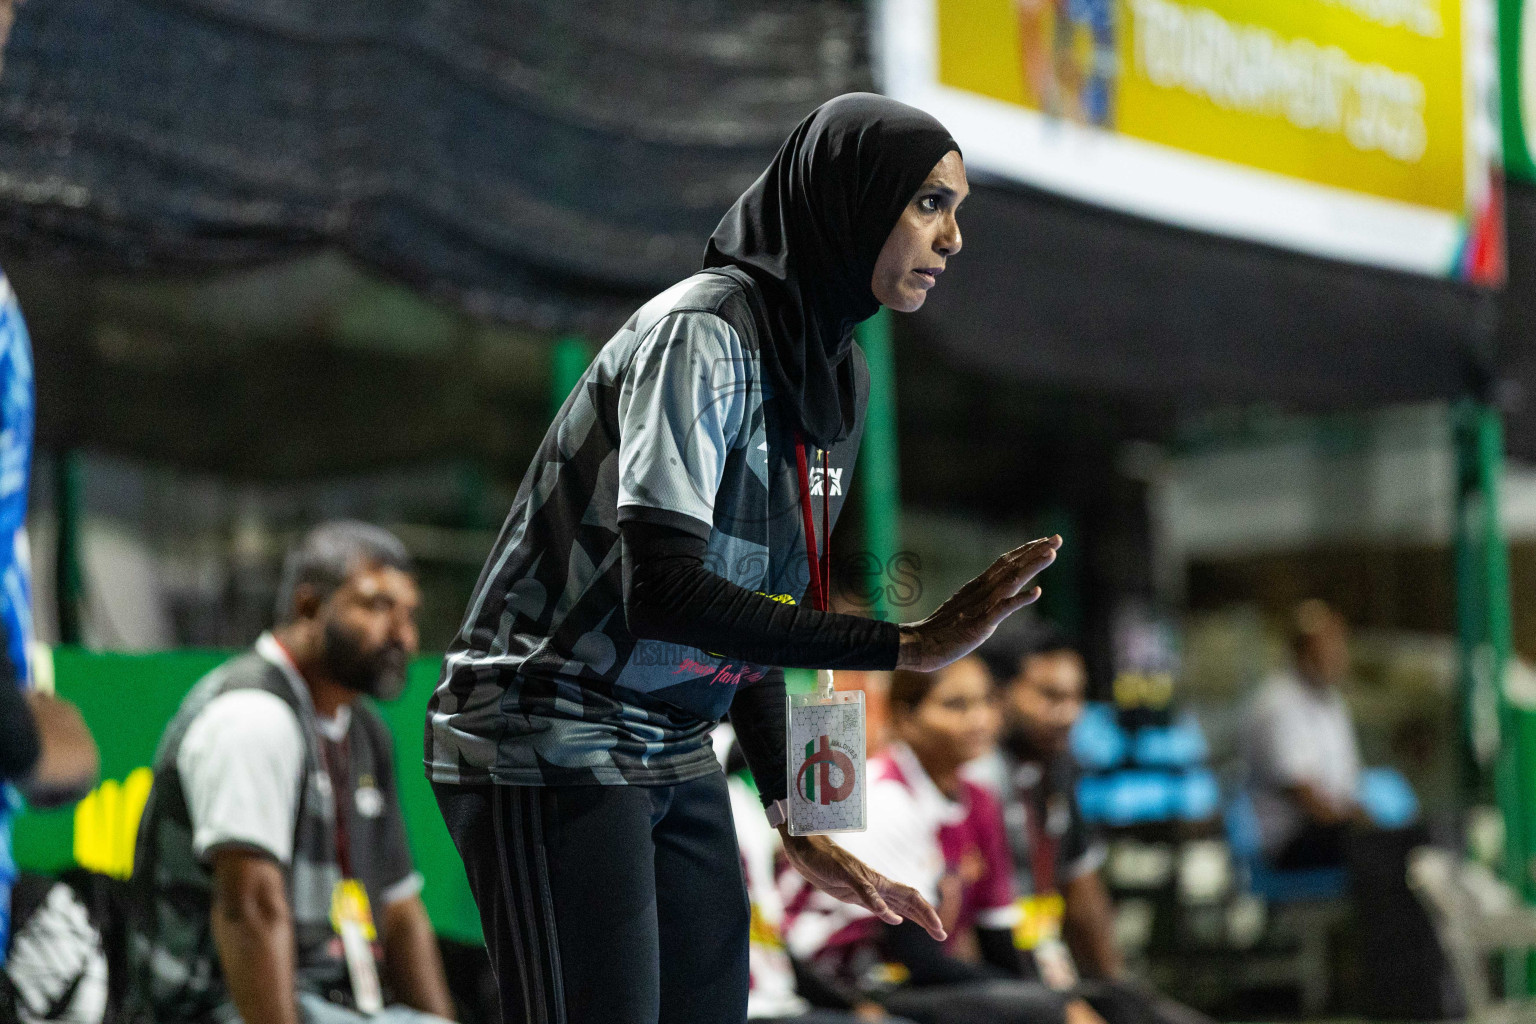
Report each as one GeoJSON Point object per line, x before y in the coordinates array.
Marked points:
{"type": "Point", "coordinates": [338, 774]}
{"type": "Point", "coordinates": [334, 755]}
{"type": "Point", "coordinates": [820, 568]}
{"type": "Point", "coordinates": [1042, 845]}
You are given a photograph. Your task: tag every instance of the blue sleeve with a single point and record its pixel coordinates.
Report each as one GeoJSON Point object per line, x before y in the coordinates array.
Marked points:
{"type": "Point", "coordinates": [16, 428]}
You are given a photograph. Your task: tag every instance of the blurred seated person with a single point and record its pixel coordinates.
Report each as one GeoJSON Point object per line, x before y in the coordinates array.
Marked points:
{"type": "Point", "coordinates": [1066, 930]}
{"type": "Point", "coordinates": [781, 991]}
{"type": "Point", "coordinates": [46, 751]}
{"type": "Point", "coordinates": [1302, 759]}
{"type": "Point", "coordinates": [272, 883]}
{"type": "Point", "coordinates": [932, 829]}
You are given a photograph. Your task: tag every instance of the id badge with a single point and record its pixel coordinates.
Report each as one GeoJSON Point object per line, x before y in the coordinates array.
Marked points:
{"type": "Point", "coordinates": [353, 920]}
{"type": "Point", "coordinates": [1039, 932]}
{"type": "Point", "coordinates": [1039, 920]}
{"type": "Point", "coordinates": [826, 760]}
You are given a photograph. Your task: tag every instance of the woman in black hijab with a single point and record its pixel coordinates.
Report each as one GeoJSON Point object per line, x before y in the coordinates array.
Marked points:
{"type": "Point", "coordinates": [808, 233]}
{"type": "Point", "coordinates": [665, 558]}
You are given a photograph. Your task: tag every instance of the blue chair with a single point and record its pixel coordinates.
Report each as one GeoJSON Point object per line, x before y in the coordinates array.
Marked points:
{"type": "Point", "coordinates": [1178, 745]}
{"type": "Point", "coordinates": [1097, 740]}
{"type": "Point", "coordinates": [1199, 796]}
{"type": "Point", "coordinates": [1305, 905]}
{"type": "Point", "coordinates": [1264, 880]}
{"type": "Point", "coordinates": [1137, 796]}
{"type": "Point", "coordinates": [1131, 796]}
{"type": "Point", "coordinates": [1388, 799]}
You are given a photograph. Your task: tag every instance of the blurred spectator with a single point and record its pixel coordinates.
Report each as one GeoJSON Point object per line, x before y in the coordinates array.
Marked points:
{"type": "Point", "coordinates": [1302, 758]}
{"type": "Point", "coordinates": [1056, 855]}
{"type": "Point", "coordinates": [46, 751]}
{"type": "Point", "coordinates": [273, 829]}
{"type": "Point", "coordinates": [781, 991]}
{"type": "Point", "coordinates": [1066, 917]}
{"type": "Point", "coordinates": [934, 830]}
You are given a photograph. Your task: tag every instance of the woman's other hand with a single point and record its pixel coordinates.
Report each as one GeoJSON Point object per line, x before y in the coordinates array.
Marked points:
{"type": "Point", "coordinates": [839, 873]}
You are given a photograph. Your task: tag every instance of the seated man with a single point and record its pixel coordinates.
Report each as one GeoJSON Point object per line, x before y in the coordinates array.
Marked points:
{"type": "Point", "coordinates": [1066, 914]}
{"type": "Point", "coordinates": [1303, 762]}
{"type": "Point", "coordinates": [272, 883]}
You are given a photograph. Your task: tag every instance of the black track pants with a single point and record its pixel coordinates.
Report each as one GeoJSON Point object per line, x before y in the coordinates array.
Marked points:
{"type": "Point", "coordinates": [607, 904]}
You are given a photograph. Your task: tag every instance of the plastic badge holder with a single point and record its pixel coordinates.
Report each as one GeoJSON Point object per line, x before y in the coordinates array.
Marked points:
{"type": "Point", "coordinates": [827, 791]}
{"type": "Point", "coordinates": [353, 921]}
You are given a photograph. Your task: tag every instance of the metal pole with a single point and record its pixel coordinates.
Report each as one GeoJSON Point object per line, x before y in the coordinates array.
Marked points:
{"type": "Point", "coordinates": [1485, 621]}
{"type": "Point", "coordinates": [1518, 800]}
{"type": "Point", "coordinates": [878, 466]}
{"type": "Point", "coordinates": [1473, 755]}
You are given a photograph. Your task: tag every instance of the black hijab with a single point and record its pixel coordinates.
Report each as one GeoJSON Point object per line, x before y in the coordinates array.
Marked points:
{"type": "Point", "coordinates": [808, 233]}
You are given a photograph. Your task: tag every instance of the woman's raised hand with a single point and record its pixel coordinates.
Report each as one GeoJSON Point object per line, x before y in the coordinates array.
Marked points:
{"type": "Point", "coordinates": [963, 623]}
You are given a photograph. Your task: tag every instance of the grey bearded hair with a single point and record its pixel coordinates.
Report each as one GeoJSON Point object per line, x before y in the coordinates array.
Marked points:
{"type": "Point", "coordinates": [331, 551]}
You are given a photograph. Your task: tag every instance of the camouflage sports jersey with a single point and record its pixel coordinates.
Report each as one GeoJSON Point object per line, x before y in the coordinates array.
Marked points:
{"type": "Point", "coordinates": [674, 424]}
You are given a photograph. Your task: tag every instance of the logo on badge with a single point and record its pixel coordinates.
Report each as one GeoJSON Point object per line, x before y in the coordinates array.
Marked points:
{"type": "Point", "coordinates": [817, 785]}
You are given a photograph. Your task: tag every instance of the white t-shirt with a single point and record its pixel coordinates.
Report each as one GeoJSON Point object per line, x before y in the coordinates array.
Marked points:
{"type": "Point", "coordinates": [1297, 733]}
{"type": "Point", "coordinates": [241, 764]}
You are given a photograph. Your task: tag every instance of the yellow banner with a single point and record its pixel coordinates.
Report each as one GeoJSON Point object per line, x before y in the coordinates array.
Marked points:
{"type": "Point", "coordinates": [1362, 95]}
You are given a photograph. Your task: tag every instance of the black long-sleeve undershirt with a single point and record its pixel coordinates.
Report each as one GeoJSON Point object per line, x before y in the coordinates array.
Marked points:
{"type": "Point", "coordinates": [669, 595]}
{"type": "Point", "coordinates": [758, 713]}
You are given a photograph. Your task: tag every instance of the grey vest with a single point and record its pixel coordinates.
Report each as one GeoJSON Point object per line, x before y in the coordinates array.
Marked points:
{"type": "Point", "coordinates": [174, 970]}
